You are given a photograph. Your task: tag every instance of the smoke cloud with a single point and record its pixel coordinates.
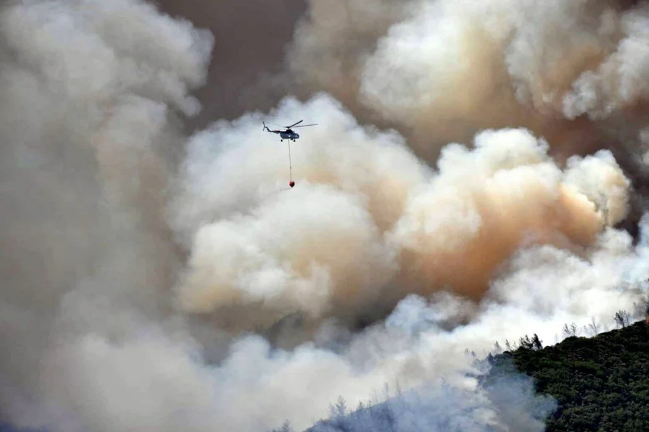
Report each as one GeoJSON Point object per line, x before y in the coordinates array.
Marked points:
{"type": "Point", "coordinates": [507, 403]}
{"type": "Point", "coordinates": [89, 93]}
{"type": "Point", "coordinates": [330, 245]}
{"type": "Point", "coordinates": [440, 71]}
{"type": "Point", "coordinates": [465, 185]}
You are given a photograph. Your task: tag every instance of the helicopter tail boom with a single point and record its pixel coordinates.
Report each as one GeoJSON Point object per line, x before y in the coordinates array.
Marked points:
{"type": "Point", "coordinates": [271, 131]}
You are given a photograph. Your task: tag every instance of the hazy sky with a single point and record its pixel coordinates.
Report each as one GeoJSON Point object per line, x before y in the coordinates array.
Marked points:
{"type": "Point", "coordinates": [250, 40]}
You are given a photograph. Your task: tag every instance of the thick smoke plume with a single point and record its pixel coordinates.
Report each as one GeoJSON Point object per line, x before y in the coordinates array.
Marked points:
{"type": "Point", "coordinates": [442, 70]}
{"type": "Point", "coordinates": [155, 280]}
{"type": "Point", "coordinates": [391, 226]}
{"type": "Point", "coordinates": [88, 94]}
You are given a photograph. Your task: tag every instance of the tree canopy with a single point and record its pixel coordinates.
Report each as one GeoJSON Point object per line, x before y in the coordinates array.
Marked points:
{"type": "Point", "coordinates": [600, 383]}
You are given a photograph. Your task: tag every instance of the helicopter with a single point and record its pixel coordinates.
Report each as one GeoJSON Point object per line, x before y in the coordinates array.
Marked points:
{"type": "Point", "coordinates": [288, 133]}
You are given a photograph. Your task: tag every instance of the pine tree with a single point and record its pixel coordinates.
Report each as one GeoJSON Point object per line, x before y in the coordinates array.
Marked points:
{"type": "Point", "coordinates": [536, 342]}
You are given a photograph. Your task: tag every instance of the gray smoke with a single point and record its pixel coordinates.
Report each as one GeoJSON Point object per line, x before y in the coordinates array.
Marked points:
{"type": "Point", "coordinates": [441, 71]}
{"type": "Point", "coordinates": [89, 93]}
{"type": "Point", "coordinates": [507, 403]}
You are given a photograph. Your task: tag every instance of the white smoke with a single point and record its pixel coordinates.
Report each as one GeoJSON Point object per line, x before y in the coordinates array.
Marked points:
{"type": "Point", "coordinates": [87, 94]}
{"type": "Point", "coordinates": [506, 404]}
{"type": "Point", "coordinates": [618, 81]}
{"type": "Point", "coordinates": [364, 207]}
{"type": "Point", "coordinates": [146, 273]}
{"type": "Point", "coordinates": [441, 71]}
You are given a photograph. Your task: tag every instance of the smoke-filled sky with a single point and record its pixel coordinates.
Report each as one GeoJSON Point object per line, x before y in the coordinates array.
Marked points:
{"type": "Point", "coordinates": [476, 175]}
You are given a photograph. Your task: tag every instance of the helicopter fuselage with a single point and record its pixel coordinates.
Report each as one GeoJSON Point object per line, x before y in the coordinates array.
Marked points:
{"type": "Point", "coordinates": [289, 135]}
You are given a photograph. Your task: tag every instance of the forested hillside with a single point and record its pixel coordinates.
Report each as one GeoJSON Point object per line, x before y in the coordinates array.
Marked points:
{"type": "Point", "coordinates": [580, 385]}
{"type": "Point", "coordinates": [600, 383]}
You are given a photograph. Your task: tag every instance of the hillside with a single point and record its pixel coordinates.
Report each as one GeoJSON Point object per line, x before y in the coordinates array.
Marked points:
{"type": "Point", "coordinates": [600, 383]}
{"type": "Point", "coordinates": [579, 385]}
